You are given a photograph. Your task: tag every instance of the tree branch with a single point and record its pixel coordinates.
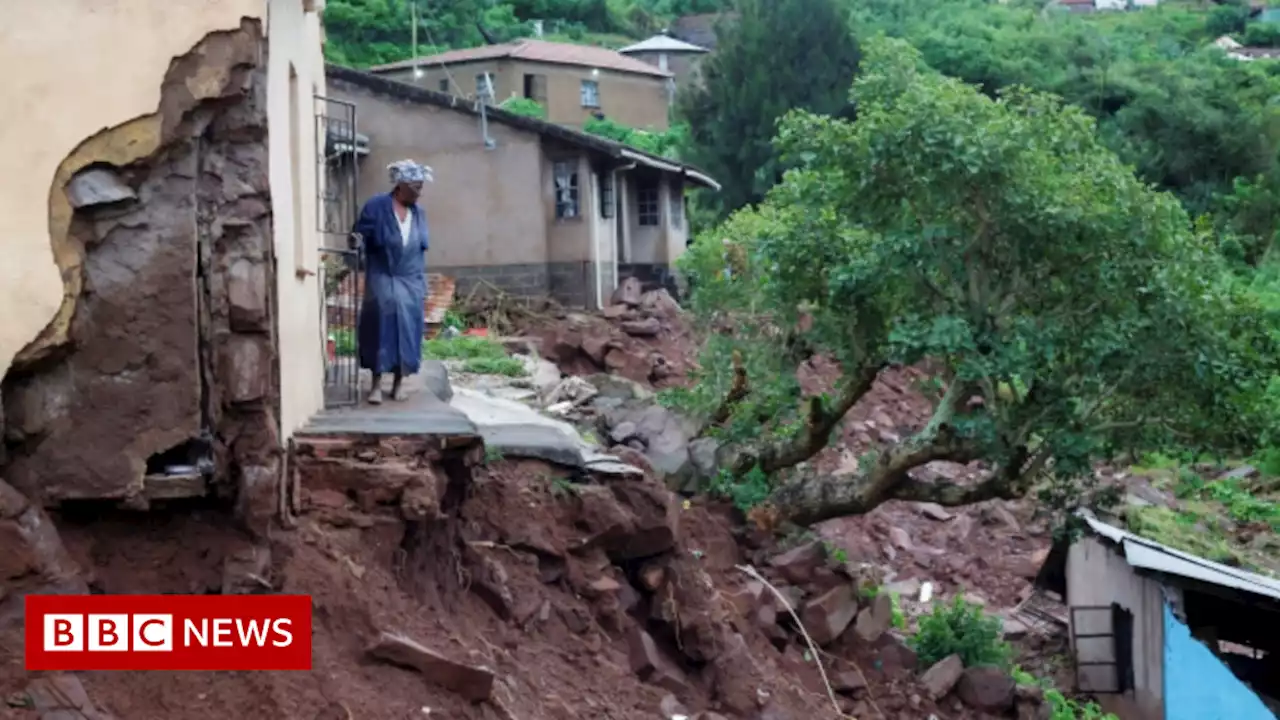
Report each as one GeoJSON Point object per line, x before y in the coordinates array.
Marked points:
{"type": "Point", "coordinates": [737, 393]}
{"type": "Point", "coordinates": [813, 437]}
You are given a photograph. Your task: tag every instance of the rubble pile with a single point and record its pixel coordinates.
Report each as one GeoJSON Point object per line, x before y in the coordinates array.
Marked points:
{"type": "Point", "coordinates": [640, 336]}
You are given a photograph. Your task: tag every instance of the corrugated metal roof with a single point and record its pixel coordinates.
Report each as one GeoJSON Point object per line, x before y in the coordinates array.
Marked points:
{"type": "Point", "coordinates": [1147, 554]}
{"type": "Point", "coordinates": [662, 43]}
{"type": "Point", "coordinates": [531, 50]}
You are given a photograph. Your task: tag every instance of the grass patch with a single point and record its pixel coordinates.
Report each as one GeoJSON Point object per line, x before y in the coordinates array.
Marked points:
{"type": "Point", "coordinates": [508, 366]}
{"type": "Point", "coordinates": [462, 348]}
{"type": "Point", "coordinates": [1195, 530]}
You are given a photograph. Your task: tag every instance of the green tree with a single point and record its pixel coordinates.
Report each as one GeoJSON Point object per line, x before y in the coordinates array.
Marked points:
{"type": "Point", "coordinates": [778, 55]}
{"type": "Point", "coordinates": [1069, 308]}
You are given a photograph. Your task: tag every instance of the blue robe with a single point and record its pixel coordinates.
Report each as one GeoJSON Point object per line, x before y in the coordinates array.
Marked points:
{"type": "Point", "coordinates": [395, 288]}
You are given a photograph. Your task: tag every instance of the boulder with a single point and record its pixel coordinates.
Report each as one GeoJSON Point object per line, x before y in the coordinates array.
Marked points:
{"type": "Point", "coordinates": [629, 292]}
{"type": "Point", "coordinates": [648, 327]}
{"type": "Point", "coordinates": [942, 677]}
{"type": "Point", "coordinates": [827, 615]}
{"type": "Point", "coordinates": [472, 682]}
{"type": "Point", "coordinates": [875, 619]}
{"type": "Point", "coordinates": [633, 364]}
{"type": "Point", "coordinates": [798, 564]}
{"type": "Point", "coordinates": [986, 688]}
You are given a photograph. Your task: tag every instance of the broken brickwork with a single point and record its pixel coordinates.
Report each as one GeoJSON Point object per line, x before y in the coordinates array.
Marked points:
{"type": "Point", "coordinates": [169, 360]}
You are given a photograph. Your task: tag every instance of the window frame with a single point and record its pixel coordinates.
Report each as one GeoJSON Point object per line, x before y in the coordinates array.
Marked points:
{"type": "Point", "coordinates": [675, 208]}
{"type": "Point", "coordinates": [443, 85]}
{"type": "Point", "coordinates": [480, 84]}
{"type": "Point", "coordinates": [649, 210]}
{"type": "Point", "coordinates": [594, 100]}
{"type": "Point", "coordinates": [608, 195]}
{"type": "Point", "coordinates": [568, 200]}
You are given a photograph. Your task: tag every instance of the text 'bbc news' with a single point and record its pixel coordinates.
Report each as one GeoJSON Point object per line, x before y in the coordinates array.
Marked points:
{"type": "Point", "coordinates": [168, 632]}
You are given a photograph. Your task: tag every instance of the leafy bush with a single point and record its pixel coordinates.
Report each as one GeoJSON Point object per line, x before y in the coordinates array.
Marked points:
{"type": "Point", "coordinates": [527, 107]}
{"type": "Point", "coordinates": [960, 629]}
{"type": "Point", "coordinates": [1061, 707]}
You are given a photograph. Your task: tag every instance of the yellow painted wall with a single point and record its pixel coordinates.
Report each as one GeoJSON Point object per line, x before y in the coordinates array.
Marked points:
{"type": "Point", "coordinates": [295, 74]}
{"type": "Point", "coordinates": [76, 68]}
{"type": "Point", "coordinates": [57, 105]}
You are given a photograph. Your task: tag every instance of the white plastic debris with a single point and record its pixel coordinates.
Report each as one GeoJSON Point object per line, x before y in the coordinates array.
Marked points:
{"type": "Point", "coordinates": [926, 592]}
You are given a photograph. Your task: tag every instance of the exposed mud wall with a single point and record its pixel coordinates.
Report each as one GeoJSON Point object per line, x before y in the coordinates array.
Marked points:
{"type": "Point", "coordinates": [170, 342]}
{"type": "Point", "coordinates": [54, 99]}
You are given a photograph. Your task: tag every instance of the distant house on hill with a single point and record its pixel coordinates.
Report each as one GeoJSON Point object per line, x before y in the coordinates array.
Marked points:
{"type": "Point", "coordinates": [668, 53]}
{"type": "Point", "coordinates": [573, 82]}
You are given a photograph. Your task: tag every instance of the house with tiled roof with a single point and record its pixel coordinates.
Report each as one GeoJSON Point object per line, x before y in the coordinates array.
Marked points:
{"type": "Point", "coordinates": [669, 53]}
{"type": "Point", "coordinates": [573, 82]}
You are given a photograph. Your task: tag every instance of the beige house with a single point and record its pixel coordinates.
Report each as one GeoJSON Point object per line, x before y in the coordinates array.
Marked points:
{"type": "Point", "coordinates": [530, 207]}
{"type": "Point", "coordinates": [573, 82]}
{"type": "Point", "coordinates": [664, 52]}
{"type": "Point", "coordinates": [162, 328]}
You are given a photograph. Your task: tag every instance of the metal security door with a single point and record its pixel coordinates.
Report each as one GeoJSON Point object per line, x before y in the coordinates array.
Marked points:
{"type": "Point", "coordinates": [341, 263]}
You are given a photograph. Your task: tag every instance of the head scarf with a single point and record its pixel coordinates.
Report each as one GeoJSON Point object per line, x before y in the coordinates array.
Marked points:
{"type": "Point", "coordinates": [408, 171]}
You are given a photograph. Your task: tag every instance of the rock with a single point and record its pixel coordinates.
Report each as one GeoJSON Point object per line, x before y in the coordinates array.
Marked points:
{"type": "Point", "coordinates": [1026, 566]}
{"type": "Point", "coordinates": [623, 432]}
{"type": "Point", "coordinates": [471, 682]}
{"type": "Point", "coordinates": [934, 511]}
{"type": "Point", "coordinates": [245, 572]}
{"type": "Point", "coordinates": [649, 665]}
{"type": "Point", "coordinates": [875, 619]}
{"type": "Point", "coordinates": [827, 615]}
{"type": "Point", "coordinates": [962, 528]}
{"type": "Point", "coordinates": [670, 707]}
{"type": "Point", "coordinates": [647, 327]}
{"type": "Point", "coordinates": [798, 564]}
{"type": "Point", "coordinates": [659, 302]}
{"type": "Point", "coordinates": [1014, 629]}
{"type": "Point", "coordinates": [246, 368]}
{"type": "Point", "coordinates": [32, 546]}
{"type": "Point", "coordinates": [545, 374]}
{"type": "Point", "coordinates": [603, 586]}
{"type": "Point", "coordinates": [909, 588]}
{"type": "Point", "coordinates": [704, 452]}
{"type": "Point", "coordinates": [652, 576]}
{"type": "Point", "coordinates": [596, 346]}
{"type": "Point", "coordinates": [620, 388]}
{"type": "Point", "coordinates": [630, 521]}
{"type": "Point", "coordinates": [892, 653]}
{"type": "Point", "coordinates": [258, 497]}
{"type": "Point", "coordinates": [60, 697]}
{"type": "Point", "coordinates": [1244, 472]}
{"type": "Point", "coordinates": [986, 688]}
{"type": "Point", "coordinates": [631, 364]}
{"type": "Point", "coordinates": [629, 292]}
{"type": "Point", "coordinates": [900, 538]}
{"type": "Point", "coordinates": [435, 377]}
{"type": "Point", "coordinates": [847, 682]}
{"type": "Point", "coordinates": [490, 582]}
{"type": "Point", "coordinates": [943, 676]}
{"type": "Point", "coordinates": [97, 186]}
{"type": "Point", "coordinates": [614, 312]}
{"type": "Point", "coordinates": [997, 514]}
{"type": "Point", "coordinates": [247, 296]}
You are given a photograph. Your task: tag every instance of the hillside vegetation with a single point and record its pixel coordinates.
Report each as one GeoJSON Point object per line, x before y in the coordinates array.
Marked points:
{"type": "Point", "coordinates": [369, 32]}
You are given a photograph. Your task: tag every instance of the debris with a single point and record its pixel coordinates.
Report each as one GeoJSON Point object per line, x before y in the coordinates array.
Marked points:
{"type": "Point", "coordinates": [629, 292]}
{"type": "Point", "coordinates": [875, 619]}
{"type": "Point", "coordinates": [943, 676]}
{"type": "Point", "coordinates": [647, 327]}
{"type": "Point", "coordinates": [798, 564]}
{"type": "Point", "coordinates": [986, 688]}
{"type": "Point", "coordinates": [97, 186]}
{"type": "Point", "coordinates": [829, 614]}
{"type": "Point", "coordinates": [934, 511]}
{"type": "Point", "coordinates": [471, 682]}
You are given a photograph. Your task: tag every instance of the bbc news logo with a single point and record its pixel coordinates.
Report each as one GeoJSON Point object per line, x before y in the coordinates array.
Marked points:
{"type": "Point", "coordinates": [168, 632]}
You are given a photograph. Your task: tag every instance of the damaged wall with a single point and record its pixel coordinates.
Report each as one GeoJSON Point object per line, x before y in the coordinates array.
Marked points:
{"type": "Point", "coordinates": [147, 301]}
{"type": "Point", "coordinates": [171, 337]}
{"type": "Point", "coordinates": [54, 101]}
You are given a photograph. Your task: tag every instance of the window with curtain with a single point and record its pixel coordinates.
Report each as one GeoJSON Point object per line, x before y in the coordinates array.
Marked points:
{"type": "Point", "coordinates": [566, 179]}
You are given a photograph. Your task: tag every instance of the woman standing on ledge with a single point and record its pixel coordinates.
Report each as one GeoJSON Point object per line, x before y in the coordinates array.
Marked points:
{"type": "Point", "coordinates": [393, 230]}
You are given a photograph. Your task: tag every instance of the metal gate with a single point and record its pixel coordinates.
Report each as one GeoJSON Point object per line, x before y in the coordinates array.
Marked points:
{"type": "Point", "coordinates": [341, 263]}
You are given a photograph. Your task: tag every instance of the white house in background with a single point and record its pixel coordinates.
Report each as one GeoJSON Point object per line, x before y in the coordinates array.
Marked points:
{"type": "Point", "coordinates": [676, 56]}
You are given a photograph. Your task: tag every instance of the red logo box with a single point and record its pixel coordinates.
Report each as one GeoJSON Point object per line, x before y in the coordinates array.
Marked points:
{"type": "Point", "coordinates": [168, 632]}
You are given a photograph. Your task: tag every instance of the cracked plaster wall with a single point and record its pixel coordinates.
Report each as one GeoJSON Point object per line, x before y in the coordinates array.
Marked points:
{"type": "Point", "coordinates": [182, 114]}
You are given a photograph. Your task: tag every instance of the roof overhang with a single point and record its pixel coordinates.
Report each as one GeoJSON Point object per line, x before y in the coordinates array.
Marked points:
{"type": "Point", "coordinates": [682, 170]}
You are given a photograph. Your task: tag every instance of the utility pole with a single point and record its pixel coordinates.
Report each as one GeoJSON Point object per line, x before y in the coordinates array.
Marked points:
{"type": "Point", "coordinates": [413, 14]}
